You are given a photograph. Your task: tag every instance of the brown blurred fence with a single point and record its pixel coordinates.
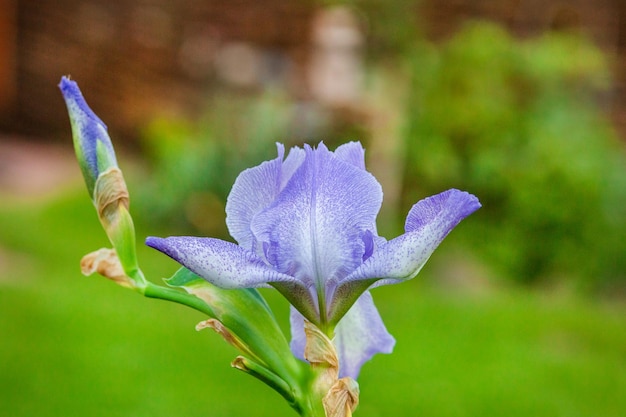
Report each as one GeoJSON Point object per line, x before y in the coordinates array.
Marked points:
{"type": "Point", "coordinates": [138, 58]}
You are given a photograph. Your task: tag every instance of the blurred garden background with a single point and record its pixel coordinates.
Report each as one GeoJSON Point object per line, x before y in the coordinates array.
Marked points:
{"type": "Point", "coordinates": [520, 312]}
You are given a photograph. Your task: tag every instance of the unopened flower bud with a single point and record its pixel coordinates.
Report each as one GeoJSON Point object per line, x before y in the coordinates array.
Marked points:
{"type": "Point", "coordinates": [92, 144]}
{"type": "Point", "coordinates": [104, 180]}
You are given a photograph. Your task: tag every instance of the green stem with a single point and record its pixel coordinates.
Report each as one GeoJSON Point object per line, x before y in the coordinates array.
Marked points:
{"type": "Point", "coordinates": [305, 402]}
{"type": "Point", "coordinates": [268, 377]}
{"type": "Point", "coordinates": [312, 405]}
{"type": "Point", "coordinates": [163, 293]}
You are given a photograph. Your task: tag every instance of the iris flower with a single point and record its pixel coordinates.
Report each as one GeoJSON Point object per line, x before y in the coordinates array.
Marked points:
{"type": "Point", "coordinates": [306, 225]}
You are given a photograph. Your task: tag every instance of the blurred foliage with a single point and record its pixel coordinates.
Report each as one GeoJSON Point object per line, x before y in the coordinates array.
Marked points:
{"type": "Point", "coordinates": [519, 123]}
{"type": "Point", "coordinates": [74, 345]}
{"type": "Point", "coordinates": [390, 26]}
{"type": "Point", "coordinates": [195, 163]}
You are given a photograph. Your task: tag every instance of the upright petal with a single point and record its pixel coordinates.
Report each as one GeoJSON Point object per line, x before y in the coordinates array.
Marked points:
{"type": "Point", "coordinates": [221, 263]}
{"type": "Point", "coordinates": [291, 164]}
{"type": "Point", "coordinates": [254, 189]}
{"type": "Point", "coordinates": [314, 229]}
{"type": "Point", "coordinates": [353, 153]}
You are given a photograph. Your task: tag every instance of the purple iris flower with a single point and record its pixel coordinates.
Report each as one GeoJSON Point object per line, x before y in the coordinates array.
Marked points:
{"type": "Point", "coordinates": [306, 225]}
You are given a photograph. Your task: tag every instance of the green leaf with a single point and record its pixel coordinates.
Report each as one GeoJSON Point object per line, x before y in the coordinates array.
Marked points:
{"type": "Point", "coordinates": [245, 313]}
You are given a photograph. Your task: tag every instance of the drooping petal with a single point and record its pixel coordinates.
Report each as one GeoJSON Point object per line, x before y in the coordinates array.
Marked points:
{"type": "Point", "coordinates": [359, 335]}
{"type": "Point", "coordinates": [428, 223]}
{"type": "Point", "coordinates": [298, 338]}
{"type": "Point", "coordinates": [313, 231]}
{"type": "Point", "coordinates": [221, 263]}
{"type": "Point", "coordinates": [441, 212]}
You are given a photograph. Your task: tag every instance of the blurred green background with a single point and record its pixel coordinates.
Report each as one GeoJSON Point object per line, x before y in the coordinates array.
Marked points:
{"type": "Point", "coordinates": [521, 311]}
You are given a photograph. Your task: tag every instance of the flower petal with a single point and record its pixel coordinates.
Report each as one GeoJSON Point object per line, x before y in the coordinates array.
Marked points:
{"type": "Point", "coordinates": [298, 338]}
{"type": "Point", "coordinates": [444, 210]}
{"type": "Point", "coordinates": [353, 153]}
{"type": "Point", "coordinates": [314, 229]}
{"type": "Point", "coordinates": [359, 335]}
{"type": "Point", "coordinates": [428, 223]}
{"type": "Point", "coordinates": [291, 164]}
{"type": "Point", "coordinates": [221, 263]}
{"type": "Point", "coordinates": [254, 190]}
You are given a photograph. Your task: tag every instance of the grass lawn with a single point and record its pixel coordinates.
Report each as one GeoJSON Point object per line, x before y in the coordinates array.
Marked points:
{"type": "Point", "coordinates": [82, 346]}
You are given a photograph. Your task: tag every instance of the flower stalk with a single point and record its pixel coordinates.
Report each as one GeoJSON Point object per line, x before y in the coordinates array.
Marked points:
{"type": "Point", "coordinates": [241, 316]}
{"type": "Point", "coordinates": [305, 224]}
